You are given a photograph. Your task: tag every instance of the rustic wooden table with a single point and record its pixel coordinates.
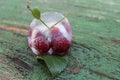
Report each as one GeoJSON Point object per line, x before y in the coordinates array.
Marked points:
{"type": "Point", "coordinates": [95, 52]}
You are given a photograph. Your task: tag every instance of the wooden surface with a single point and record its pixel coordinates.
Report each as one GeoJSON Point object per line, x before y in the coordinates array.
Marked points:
{"type": "Point", "coordinates": [95, 52]}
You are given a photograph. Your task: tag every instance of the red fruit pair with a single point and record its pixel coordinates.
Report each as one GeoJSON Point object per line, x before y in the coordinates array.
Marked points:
{"type": "Point", "coordinates": [60, 45]}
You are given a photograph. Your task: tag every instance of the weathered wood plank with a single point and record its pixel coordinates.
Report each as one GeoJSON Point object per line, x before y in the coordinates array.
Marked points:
{"type": "Point", "coordinates": [95, 52]}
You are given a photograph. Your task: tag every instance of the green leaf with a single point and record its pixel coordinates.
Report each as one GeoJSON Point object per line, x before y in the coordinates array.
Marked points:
{"type": "Point", "coordinates": [36, 13]}
{"type": "Point", "coordinates": [55, 64]}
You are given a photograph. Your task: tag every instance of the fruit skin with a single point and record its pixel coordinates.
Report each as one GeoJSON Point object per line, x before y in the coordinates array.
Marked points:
{"type": "Point", "coordinates": [41, 45]}
{"type": "Point", "coordinates": [30, 32]}
{"type": "Point", "coordinates": [67, 26]}
{"type": "Point", "coordinates": [60, 45]}
{"type": "Point", "coordinates": [37, 29]}
{"type": "Point", "coordinates": [55, 32]}
{"type": "Point", "coordinates": [39, 34]}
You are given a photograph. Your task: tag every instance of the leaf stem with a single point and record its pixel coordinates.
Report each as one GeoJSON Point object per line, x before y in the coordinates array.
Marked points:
{"type": "Point", "coordinates": [29, 8]}
{"type": "Point", "coordinates": [39, 18]}
{"type": "Point", "coordinates": [44, 23]}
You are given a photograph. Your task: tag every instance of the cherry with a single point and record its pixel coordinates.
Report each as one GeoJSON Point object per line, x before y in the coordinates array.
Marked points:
{"type": "Point", "coordinates": [60, 45]}
{"type": "Point", "coordinates": [41, 45]}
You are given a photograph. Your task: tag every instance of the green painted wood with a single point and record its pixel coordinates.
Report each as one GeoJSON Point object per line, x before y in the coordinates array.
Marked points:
{"type": "Point", "coordinates": [95, 52]}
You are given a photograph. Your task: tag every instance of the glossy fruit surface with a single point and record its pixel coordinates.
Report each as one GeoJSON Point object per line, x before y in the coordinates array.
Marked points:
{"type": "Point", "coordinates": [53, 40]}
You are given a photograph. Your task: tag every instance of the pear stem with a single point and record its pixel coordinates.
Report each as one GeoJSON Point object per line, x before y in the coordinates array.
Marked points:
{"type": "Point", "coordinates": [44, 23]}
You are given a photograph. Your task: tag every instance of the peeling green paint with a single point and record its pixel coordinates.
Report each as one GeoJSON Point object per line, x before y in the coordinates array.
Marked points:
{"type": "Point", "coordinates": [96, 41]}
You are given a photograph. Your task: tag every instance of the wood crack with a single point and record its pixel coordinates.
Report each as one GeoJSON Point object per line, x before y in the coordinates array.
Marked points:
{"type": "Point", "coordinates": [102, 74]}
{"type": "Point", "coordinates": [20, 63]}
